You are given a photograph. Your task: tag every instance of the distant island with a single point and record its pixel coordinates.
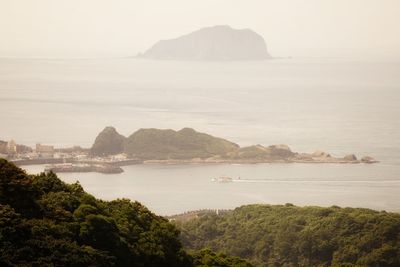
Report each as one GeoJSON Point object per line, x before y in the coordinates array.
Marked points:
{"type": "Point", "coordinates": [190, 146]}
{"type": "Point", "coordinates": [219, 43]}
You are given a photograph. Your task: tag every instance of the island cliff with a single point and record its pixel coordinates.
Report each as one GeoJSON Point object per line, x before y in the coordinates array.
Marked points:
{"type": "Point", "coordinates": [212, 43]}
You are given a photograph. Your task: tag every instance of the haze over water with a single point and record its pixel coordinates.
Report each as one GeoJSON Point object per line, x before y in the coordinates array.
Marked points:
{"type": "Point", "coordinates": [335, 105]}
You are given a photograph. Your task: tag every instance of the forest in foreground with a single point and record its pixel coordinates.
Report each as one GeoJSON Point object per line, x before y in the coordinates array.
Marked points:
{"type": "Point", "coordinates": [46, 222]}
{"type": "Point", "coordinates": [287, 235]}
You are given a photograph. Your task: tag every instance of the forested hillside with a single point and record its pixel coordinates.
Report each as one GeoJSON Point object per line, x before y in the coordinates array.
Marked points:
{"type": "Point", "coordinates": [299, 236]}
{"type": "Point", "coordinates": [45, 222]}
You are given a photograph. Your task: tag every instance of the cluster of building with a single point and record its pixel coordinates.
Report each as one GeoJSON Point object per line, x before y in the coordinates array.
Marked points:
{"type": "Point", "coordinates": [21, 153]}
{"type": "Point", "coordinates": [12, 150]}
{"type": "Point", "coordinates": [44, 151]}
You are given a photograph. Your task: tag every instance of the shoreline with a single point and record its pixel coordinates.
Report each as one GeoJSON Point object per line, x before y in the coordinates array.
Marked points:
{"type": "Point", "coordinates": [329, 160]}
{"type": "Point", "coordinates": [72, 165]}
{"type": "Point", "coordinates": [207, 161]}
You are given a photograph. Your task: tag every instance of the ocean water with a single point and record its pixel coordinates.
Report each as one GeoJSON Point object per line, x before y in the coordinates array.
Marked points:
{"type": "Point", "coordinates": [336, 105]}
{"type": "Point", "coordinates": [173, 189]}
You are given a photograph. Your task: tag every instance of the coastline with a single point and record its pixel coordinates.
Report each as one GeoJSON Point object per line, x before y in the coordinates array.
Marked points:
{"type": "Point", "coordinates": [330, 160]}
{"type": "Point", "coordinates": [130, 162]}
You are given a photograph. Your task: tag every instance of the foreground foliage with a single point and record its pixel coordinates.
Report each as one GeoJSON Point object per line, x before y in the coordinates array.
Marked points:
{"type": "Point", "coordinates": [45, 222]}
{"type": "Point", "coordinates": [294, 236]}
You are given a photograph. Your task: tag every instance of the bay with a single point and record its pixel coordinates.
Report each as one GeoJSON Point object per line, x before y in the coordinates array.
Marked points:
{"type": "Point", "coordinates": [173, 189]}
{"type": "Point", "coordinates": [336, 105]}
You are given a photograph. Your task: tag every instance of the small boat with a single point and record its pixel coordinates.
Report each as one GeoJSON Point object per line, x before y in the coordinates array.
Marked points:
{"type": "Point", "coordinates": [222, 179]}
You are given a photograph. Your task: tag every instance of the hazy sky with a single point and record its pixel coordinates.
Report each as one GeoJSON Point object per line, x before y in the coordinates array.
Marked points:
{"type": "Point", "coordinates": [108, 28]}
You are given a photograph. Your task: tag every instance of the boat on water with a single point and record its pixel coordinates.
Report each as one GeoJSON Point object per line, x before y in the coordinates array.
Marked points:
{"type": "Point", "coordinates": [222, 179]}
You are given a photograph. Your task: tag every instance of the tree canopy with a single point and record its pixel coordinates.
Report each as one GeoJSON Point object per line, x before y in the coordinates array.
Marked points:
{"type": "Point", "coordinates": [286, 235]}
{"type": "Point", "coordinates": [46, 222]}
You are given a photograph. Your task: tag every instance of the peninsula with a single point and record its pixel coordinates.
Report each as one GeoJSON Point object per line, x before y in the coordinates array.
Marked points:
{"type": "Point", "coordinates": [190, 146]}
{"type": "Point", "coordinates": [112, 150]}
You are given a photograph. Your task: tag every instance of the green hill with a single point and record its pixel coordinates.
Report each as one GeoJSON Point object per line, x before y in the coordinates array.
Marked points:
{"type": "Point", "coordinates": [299, 236]}
{"type": "Point", "coordinates": [45, 222]}
{"type": "Point", "coordinates": [169, 144]}
{"type": "Point", "coordinates": [161, 144]}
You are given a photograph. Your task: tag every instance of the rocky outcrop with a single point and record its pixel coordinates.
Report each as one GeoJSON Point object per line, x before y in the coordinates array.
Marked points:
{"type": "Point", "coordinates": [350, 157]}
{"type": "Point", "coordinates": [259, 152]}
{"type": "Point", "coordinates": [368, 159]}
{"type": "Point", "coordinates": [280, 151]}
{"type": "Point", "coordinates": [108, 142]}
{"type": "Point", "coordinates": [212, 43]}
{"type": "Point", "coordinates": [320, 154]}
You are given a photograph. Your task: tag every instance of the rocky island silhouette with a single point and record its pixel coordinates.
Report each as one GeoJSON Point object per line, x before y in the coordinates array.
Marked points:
{"type": "Point", "coordinates": [217, 43]}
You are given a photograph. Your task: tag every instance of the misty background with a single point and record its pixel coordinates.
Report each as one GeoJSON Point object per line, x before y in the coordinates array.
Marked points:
{"type": "Point", "coordinates": [102, 28]}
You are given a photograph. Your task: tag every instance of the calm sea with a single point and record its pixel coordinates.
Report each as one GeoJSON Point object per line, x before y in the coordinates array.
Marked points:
{"type": "Point", "coordinates": [336, 105]}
